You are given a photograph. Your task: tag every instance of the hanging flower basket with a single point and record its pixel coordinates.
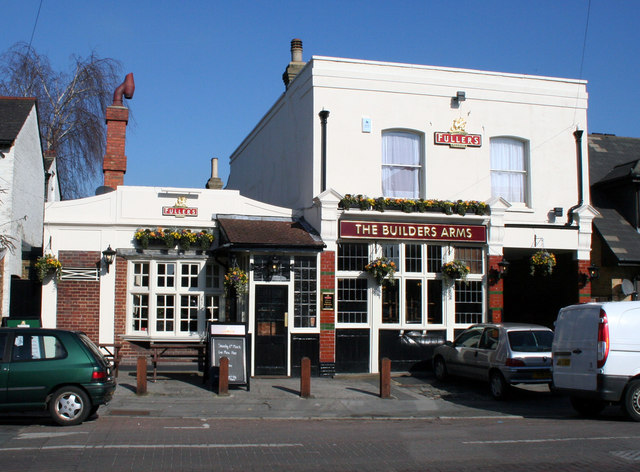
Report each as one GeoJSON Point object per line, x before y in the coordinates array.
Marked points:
{"type": "Point", "coordinates": [455, 270]}
{"type": "Point", "coordinates": [381, 268]}
{"type": "Point", "coordinates": [237, 279]}
{"type": "Point", "coordinates": [48, 265]}
{"type": "Point", "coordinates": [542, 263]}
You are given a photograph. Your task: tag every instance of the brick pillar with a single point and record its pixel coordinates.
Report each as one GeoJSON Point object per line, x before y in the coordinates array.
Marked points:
{"type": "Point", "coordinates": [115, 161]}
{"type": "Point", "coordinates": [584, 284]}
{"type": "Point", "coordinates": [328, 317]}
{"type": "Point", "coordinates": [496, 292]}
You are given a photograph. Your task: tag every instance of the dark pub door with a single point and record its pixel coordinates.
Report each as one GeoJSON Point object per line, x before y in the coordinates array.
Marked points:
{"type": "Point", "coordinates": [271, 330]}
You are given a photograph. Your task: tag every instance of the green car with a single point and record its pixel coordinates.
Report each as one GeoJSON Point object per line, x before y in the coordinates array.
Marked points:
{"type": "Point", "coordinates": [62, 371]}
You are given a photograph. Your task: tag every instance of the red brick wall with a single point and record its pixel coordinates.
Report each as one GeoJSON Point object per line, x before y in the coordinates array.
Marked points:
{"type": "Point", "coordinates": [584, 290]}
{"type": "Point", "coordinates": [496, 292]}
{"type": "Point", "coordinates": [78, 305]}
{"type": "Point", "coordinates": [328, 317]}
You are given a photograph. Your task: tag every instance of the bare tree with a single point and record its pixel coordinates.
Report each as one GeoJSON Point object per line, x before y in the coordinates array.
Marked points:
{"type": "Point", "coordinates": [71, 107]}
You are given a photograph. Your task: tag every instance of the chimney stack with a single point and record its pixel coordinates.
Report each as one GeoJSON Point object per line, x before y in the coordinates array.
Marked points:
{"type": "Point", "coordinates": [117, 116]}
{"type": "Point", "coordinates": [296, 64]}
{"type": "Point", "coordinates": [215, 182]}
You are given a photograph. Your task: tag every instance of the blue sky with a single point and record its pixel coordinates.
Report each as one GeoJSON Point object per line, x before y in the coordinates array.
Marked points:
{"type": "Point", "coordinates": [207, 71]}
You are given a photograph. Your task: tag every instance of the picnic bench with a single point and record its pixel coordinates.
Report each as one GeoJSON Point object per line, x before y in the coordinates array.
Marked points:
{"type": "Point", "coordinates": [112, 353]}
{"type": "Point", "coordinates": [170, 351]}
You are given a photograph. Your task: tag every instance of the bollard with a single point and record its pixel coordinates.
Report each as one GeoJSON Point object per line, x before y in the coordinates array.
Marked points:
{"type": "Point", "coordinates": [141, 376]}
{"type": "Point", "coordinates": [305, 378]}
{"type": "Point", "coordinates": [223, 378]}
{"type": "Point", "coordinates": [385, 378]}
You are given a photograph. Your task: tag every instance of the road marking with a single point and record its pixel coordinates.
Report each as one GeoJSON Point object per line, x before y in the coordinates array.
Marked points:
{"type": "Point", "coordinates": [153, 446]}
{"type": "Point", "coordinates": [518, 441]}
{"type": "Point", "coordinates": [204, 426]}
{"type": "Point", "coordinates": [48, 435]}
{"type": "Point", "coordinates": [633, 456]}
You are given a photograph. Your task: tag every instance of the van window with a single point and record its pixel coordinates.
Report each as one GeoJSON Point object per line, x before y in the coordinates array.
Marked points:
{"type": "Point", "coordinates": [530, 341]}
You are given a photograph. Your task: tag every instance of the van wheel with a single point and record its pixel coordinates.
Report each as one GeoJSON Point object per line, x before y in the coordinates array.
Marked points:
{"type": "Point", "coordinates": [632, 400]}
{"type": "Point", "coordinates": [499, 386]}
{"type": "Point", "coordinates": [69, 406]}
{"type": "Point", "coordinates": [439, 368]}
{"type": "Point", "coordinates": [587, 406]}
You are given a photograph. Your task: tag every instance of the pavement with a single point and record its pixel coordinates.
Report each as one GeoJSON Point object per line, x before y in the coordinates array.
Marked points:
{"type": "Point", "coordinates": [183, 395]}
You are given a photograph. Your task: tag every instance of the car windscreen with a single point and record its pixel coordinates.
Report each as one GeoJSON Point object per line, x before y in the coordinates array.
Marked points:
{"type": "Point", "coordinates": [530, 341]}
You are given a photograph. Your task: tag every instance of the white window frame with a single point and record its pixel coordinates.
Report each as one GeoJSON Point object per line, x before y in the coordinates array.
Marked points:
{"type": "Point", "coordinates": [419, 167]}
{"type": "Point", "coordinates": [525, 171]}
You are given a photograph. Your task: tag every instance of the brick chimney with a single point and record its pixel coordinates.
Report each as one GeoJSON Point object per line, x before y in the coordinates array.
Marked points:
{"type": "Point", "coordinates": [117, 116]}
{"type": "Point", "coordinates": [296, 64]}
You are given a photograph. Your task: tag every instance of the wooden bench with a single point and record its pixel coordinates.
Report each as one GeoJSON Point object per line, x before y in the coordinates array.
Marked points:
{"type": "Point", "coordinates": [112, 353]}
{"type": "Point", "coordinates": [168, 351]}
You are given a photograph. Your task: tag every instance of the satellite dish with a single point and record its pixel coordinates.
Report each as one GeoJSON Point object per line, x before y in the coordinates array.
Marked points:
{"type": "Point", "coordinates": [628, 288]}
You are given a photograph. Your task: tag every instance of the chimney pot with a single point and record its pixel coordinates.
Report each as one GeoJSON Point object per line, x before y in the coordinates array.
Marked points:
{"type": "Point", "coordinates": [296, 50]}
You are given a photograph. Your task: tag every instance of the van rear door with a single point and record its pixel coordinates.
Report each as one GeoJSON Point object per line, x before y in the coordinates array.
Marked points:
{"type": "Point", "coordinates": [574, 348]}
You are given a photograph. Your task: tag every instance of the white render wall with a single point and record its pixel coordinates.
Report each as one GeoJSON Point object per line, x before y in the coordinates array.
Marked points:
{"type": "Point", "coordinates": [22, 207]}
{"type": "Point", "coordinates": [544, 111]}
{"type": "Point", "coordinates": [94, 223]}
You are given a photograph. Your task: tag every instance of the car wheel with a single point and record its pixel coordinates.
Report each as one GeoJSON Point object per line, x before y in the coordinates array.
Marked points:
{"type": "Point", "coordinates": [632, 400]}
{"type": "Point", "coordinates": [440, 368]}
{"type": "Point", "coordinates": [69, 405]}
{"type": "Point", "coordinates": [499, 386]}
{"type": "Point", "coordinates": [587, 406]}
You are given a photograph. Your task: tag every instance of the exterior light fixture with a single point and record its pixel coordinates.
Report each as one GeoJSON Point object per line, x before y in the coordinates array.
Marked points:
{"type": "Point", "coordinates": [594, 272]}
{"type": "Point", "coordinates": [496, 274]}
{"type": "Point", "coordinates": [503, 267]}
{"type": "Point", "coordinates": [108, 256]}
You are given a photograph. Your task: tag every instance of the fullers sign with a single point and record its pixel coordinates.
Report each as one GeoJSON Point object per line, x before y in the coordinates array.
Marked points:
{"type": "Point", "coordinates": [425, 232]}
{"type": "Point", "coordinates": [180, 209]}
{"type": "Point", "coordinates": [457, 137]}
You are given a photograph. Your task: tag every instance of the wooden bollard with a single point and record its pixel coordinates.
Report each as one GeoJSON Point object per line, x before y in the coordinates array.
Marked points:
{"type": "Point", "coordinates": [223, 378]}
{"type": "Point", "coordinates": [305, 378]}
{"type": "Point", "coordinates": [385, 378]}
{"type": "Point", "coordinates": [141, 376]}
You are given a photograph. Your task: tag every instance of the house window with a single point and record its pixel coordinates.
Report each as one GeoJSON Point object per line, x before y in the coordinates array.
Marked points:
{"type": "Point", "coordinates": [304, 292]}
{"type": "Point", "coordinates": [173, 298]}
{"type": "Point", "coordinates": [401, 164]}
{"type": "Point", "coordinates": [352, 301]}
{"type": "Point", "coordinates": [509, 169]}
{"type": "Point", "coordinates": [353, 256]}
{"type": "Point", "coordinates": [472, 256]}
{"type": "Point", "coordinates": [390, 302]}
{"type": "Point", "coordinates": [468, 301]}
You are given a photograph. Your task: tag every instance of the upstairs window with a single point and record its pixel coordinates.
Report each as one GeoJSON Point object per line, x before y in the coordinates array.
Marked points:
{"type": "Point", "coordinates": [509, 173]}
{"type": "Point", "coordinates": [401, 165]}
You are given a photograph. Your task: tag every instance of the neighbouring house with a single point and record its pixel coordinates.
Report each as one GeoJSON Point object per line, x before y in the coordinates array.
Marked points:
{"type": "Point", "coordinates": [27, 179]}
{"type": "Point", "coordinates": [441, 171]}
{"type": "Point", "coordinates": [614, 167]}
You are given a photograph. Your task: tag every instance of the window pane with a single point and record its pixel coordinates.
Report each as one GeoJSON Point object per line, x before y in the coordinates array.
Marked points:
{"type": "Point", "coordinates": [212, 308]}
{"type": "Point", "coordinates": [212, 275]}
{"type": "Point", "coordinates": [401, 165]}
{"type": "Point", "coordinates": [434, 258]}
{"type": "Point", "coordinates": [141, 274]}
{"type": "Point", "coordinates": [140, 316]}
{"type": "Point", "coordinates": [352, 300]}
{"type": "Point", "coordinates": [189, 275]}
{"type": "Point", "coordinates": [413, 257]}
{"type": "Point", "coordinates": [413, 301]}
{"type": "Point", "coordinates": [390, 302]}
{"type": "Point", "coordinates": [434, 301]}
{"type": "Point", "coordinates": [468, 302]}
{"type": "Point", "coordinates": [166, 275]}
{"type": "Point", "coordinates": [472, 256]}
{"type": "Point", "coordinates": [352, 256]}
{"type": "Point", "coordinates": [189, 313]}
{"type": "Point", "coordinates": [508, 169]}
{"type": "Point", "coordinates": [165, 312]}
{"type": "Point", "coordinates": [392, 252]}
{"type": "Point", "coordinates": [305, 294]}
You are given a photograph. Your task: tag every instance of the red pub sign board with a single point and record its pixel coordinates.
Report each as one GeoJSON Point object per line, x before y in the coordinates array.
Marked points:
{"type": "Point", "coordinates": [416, 231]}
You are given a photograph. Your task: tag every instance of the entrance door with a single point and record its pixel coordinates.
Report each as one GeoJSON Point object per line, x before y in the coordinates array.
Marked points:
{"type": "Point", "coordinates": [271, 330]}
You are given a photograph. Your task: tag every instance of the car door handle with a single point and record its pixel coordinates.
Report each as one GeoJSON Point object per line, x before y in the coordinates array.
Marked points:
{"type": "Point", "coordinates": [577, 351]}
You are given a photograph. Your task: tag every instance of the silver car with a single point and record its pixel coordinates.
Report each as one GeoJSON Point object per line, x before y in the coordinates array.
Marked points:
{"type": "Point", "coordinates": [503, 354]}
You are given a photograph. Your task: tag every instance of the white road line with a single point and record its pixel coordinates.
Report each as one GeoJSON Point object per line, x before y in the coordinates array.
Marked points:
{"type": "Point", "coordinates": [520, 441]}
{"type": "Point", "coordinates": [48, 435]}
{"type": "Point", "coordinates": [204, 426]}
{"type": "Point", "coordinates": [152, 446]}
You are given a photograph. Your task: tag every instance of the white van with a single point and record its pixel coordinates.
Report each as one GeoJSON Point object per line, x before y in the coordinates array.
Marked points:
{"type": "Point", "coordinates": [596, 356]}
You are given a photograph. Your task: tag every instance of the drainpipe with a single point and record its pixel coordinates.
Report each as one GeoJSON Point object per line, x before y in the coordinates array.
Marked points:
{"type": "Point", "coordinates": [577, 134]}
{"type": "Point", "coordinates": [324, 114]}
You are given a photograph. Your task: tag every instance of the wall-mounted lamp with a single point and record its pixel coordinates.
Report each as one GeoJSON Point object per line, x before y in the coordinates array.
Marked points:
{"type": "Point", "coordinates": [496, 274]}
{"type": "Point", "coordinates": [558, 211]}
{"type": "Point", "coordinates": [594, 272]}
{"type": "Point", "coordinates": [108, 256]}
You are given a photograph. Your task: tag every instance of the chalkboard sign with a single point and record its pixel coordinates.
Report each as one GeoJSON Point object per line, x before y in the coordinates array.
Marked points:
{"type": "Point", "coordinates": [234, 349]}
